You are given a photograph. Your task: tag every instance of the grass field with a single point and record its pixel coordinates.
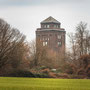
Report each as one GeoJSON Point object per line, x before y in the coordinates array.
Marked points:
{"type": "Point", "coordinates": [7, 83]}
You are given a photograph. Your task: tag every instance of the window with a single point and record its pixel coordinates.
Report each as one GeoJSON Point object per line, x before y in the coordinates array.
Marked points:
{"type": "Point", "coordinates": [48, 26]}
{"type": "Point", "coordinates": [45, 38]}
{"type": "Point", "coordinates": [54, 26]}
{"type": "Point", "coordinates": [59, 43]}
{"type": "Point", "coordinates": [59, 37]}
{"type": "Point", "coordinates": [57, 26]}
{"type": "Point", "coordinates": [45, 26]}
{"type": "Point", "coordinates": [38, 35]}
{"type": "Point", "coordinates": [48, 39]}
{"type": "Point", "coordinates": [44, 43]}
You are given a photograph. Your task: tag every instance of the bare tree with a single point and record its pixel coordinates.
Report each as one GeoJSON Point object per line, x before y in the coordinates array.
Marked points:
{"type": "Point", "coordinates": [73, 46]}
{"type": "Point", "coordinates": [37, 52]}
{"type": "Point", "coordinates": [43, 56]}
{"type": "Point", "coordinates": [11, 42]}
{"type": "Point", "coordinates": [82, 35]}
{"type": "Point", "coordinates": [80, 42]}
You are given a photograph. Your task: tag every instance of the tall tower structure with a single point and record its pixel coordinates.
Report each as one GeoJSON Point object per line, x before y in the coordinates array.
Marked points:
{"type": "Point", "coordinates": [52, 35]}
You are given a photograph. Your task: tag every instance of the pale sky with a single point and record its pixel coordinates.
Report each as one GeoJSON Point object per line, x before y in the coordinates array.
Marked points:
{"type": "Point", "coordinates": [26, 15]}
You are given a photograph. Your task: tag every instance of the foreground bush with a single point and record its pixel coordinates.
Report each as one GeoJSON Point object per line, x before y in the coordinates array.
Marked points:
{"type": "Point", "coordinates": [21, 73]}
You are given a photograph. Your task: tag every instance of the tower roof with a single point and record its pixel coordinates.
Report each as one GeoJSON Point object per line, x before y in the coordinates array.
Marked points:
{"type": "Point", "coordinates": [50, 20]}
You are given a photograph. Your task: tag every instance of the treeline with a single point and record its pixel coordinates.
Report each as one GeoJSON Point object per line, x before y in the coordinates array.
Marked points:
{"type": "Point", "coordinates": [13, 48]}
{"type": "Point", "coordinates": [79, 56]}
{"type": "Point", "coordinates": [30, 59]}
{"type": "Point", "coordinates": [76, 61]}
{"type": "Point", "coordinates": [74, 64]}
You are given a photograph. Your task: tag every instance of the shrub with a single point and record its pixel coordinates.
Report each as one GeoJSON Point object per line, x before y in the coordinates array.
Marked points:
{"type": "Point", "coordinates": [52, 75]}
{"type": "Point", "coordinates": [68, 68]}
{"type": "Point", "coordinates": [41, 75]}
{"type": "Point", "coordinates": [45, 71]}
{"type": "Point", "coordinates": [21, 73]}
{"type": "Point", "coordinates": [88, 71]}
{"type": "Point", "coordinates": [74, 76]}
{"type": "Point", "coordinates": [84, 61]}
{"type": "Point", "coordinates": [63, 75]}
{"type": "Point", "coordinates": [81, 71]}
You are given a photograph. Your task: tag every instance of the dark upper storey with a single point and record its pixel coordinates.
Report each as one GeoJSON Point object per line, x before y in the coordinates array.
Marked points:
{"type": "Point", "coordinates": [50, 24]}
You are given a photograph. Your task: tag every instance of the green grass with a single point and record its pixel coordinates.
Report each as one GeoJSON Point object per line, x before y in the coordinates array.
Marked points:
{"type": "Point", "coordinates": [7, 83]}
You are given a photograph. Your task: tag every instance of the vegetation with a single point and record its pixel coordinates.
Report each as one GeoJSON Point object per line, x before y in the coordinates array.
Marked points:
{"type": "Point", "coordinates": [13, 49]}
{"type": "Point", "coordinates": [43, 84]}
{"type": "Point", "coordinates": [18, 58]}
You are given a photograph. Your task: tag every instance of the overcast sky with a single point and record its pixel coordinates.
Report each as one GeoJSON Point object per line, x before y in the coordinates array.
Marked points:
{"type": "Point", "coordinates": [26, 15]}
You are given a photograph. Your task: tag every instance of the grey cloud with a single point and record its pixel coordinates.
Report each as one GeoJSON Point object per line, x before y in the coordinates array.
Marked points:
{"type": "Point", "coordinates": [38, 2]}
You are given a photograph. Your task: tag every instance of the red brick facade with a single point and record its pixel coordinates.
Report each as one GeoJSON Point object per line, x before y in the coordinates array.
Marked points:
{"type": "Point", "coordinates": [51, 35]}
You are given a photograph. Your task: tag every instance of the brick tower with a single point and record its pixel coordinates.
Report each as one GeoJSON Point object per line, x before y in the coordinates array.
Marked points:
{"type": "Point", "coordinates": [52, 35]}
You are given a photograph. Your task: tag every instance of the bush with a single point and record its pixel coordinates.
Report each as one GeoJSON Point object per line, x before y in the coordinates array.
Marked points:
{"type": "Point", "coordinates": [81, 71]}
{"type": "Point", "coordinates": [21, 73]}
{"type": "Point", "coordinates": [88, 71]}
{"type": "Point", "coordinates": [68, 68]}
{"type": "Point", "coordinates": [45, 71]}
{"type": "Point", "coordinates": [52, 75]}
{"type": "Point", "coordinates": [41, 75]}
{"type": "Point", "coordinates": [63, 75]}
{"type": "Point", "coordinates": [74, 76]}
{"type": "Point", "coordinates": [84, 61]}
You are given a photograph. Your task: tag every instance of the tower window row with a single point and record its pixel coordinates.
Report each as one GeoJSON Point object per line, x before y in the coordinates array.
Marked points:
{"type": "Point", "coordinates": [59, 43]}
{"type": "Point", "coordinates": [47, 38]}
{"type": "Point", "coordinates": [48, 26]}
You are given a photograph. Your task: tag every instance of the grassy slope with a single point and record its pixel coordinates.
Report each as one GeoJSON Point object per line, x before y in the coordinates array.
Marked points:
{"type": "Point", "coordinates": [43, 84]}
